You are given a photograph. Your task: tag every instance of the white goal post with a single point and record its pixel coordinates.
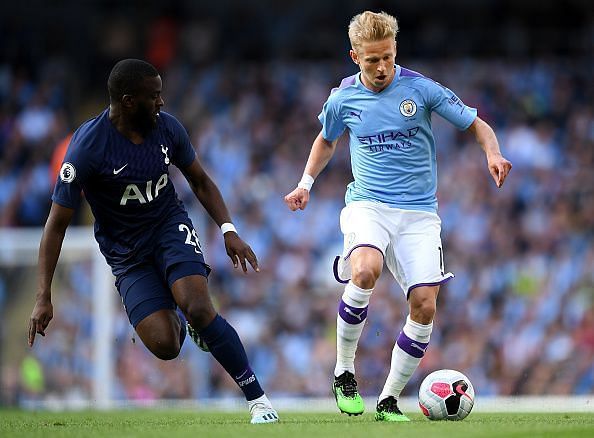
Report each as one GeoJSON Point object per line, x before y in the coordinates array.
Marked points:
{"type": "Point", "coordinates": [19, 247]}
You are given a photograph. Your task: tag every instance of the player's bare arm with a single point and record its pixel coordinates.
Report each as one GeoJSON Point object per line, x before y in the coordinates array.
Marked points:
{"type": "Point", "coordinates": [498, 166]}
{"type": "Point", "coordinates": [321, 152]}
{"type": "Point", "coordinates": [210, 197]}
{"type": "Point", "coordinates": [49, 250]}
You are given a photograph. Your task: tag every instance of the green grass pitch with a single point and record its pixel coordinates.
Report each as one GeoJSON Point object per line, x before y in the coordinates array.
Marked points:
{"type": "Point", "coordinates": [183, 423]}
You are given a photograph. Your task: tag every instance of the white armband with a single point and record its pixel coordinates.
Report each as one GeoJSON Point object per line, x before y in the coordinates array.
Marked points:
{"type": "Point", "coordinates": [306, 182]}
{"type": "Point", "coordinates": [228, 226]}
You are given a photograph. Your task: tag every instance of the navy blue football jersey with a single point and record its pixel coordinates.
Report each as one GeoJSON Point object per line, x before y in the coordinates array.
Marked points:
{"type": "Point", "coordinates": [126, 185]}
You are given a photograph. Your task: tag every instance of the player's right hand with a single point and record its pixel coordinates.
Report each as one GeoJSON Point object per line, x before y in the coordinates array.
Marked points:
{"type": "Point", "coordinates": [42, 314]}
{"type": "Point", "coordinates": [239, 251]}
{"type": "Point", "coordinates": [297, 199]}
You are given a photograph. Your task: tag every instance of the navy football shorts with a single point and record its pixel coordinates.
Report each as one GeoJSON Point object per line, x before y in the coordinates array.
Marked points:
{"type": "Point", "coordinates": [146, 288]}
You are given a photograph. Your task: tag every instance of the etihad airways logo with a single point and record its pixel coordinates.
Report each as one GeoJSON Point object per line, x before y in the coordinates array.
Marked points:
{"type": "Point", "coordinates": [389, 140]}
{"type": "Point", "coordinates": [385, 137]}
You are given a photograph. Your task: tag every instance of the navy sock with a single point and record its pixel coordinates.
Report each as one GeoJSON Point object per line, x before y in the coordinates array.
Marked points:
{"type": "Point", "coordinates": [226, 347]}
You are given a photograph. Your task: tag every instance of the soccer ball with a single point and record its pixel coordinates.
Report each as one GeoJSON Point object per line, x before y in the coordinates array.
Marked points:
{"type": "Point", "coordinates": [446, 395]}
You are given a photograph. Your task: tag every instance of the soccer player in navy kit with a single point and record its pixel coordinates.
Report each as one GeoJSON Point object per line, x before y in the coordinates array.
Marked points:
{"type": "Point", "coordinates": [120, 161]}
{"type": "Point", "coordinates": [391, 206]}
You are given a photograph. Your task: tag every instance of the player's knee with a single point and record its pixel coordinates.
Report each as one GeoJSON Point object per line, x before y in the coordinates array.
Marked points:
{"type": "Point", "coordinates": [365, 277]}
{"type": "Point", "coordinates": [199, 314]}
{"type": "Point", "coordinates": [166, 350]}
{"type": "Point", "coordinates": [423, 311]}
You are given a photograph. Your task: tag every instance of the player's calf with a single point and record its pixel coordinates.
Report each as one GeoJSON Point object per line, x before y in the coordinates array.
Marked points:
{"type": "Point", "coordinates": [160, 333]}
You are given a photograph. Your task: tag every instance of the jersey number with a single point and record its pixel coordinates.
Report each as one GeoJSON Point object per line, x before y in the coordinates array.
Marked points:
{"type": "Point", "coordinates": [191, 238]}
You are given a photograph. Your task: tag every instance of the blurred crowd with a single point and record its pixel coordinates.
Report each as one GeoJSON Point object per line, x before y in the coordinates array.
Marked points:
{"type": "Point", "coordinates": [517, 319]}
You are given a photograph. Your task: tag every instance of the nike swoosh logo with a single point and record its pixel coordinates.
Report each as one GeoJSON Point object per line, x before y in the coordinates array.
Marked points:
{"type": "Point", "coordinates": [241, 375]}
{"type": "Point", "coordinates": [115, 172]}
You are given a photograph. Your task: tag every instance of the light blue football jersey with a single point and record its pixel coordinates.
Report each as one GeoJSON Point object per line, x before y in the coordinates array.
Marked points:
{"type": "Point", "coordinates": [392, 148]}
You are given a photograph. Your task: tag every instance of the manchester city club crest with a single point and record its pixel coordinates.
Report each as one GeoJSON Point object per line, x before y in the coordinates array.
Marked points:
{"type": "Point", "coordinates": [67, 172]}
{"type": "Point", "coordinates": [408, 108]}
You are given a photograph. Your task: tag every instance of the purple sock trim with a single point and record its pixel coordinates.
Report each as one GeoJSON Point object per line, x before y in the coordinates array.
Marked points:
{"type": "Point", "coordinates": [414, 348]}
{"type": "Point", "coordinates": [352, 315]}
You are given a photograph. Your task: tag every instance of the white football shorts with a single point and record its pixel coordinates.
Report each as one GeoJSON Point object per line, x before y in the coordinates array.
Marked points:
{"type": "Point", "coordinates": [408, 239]}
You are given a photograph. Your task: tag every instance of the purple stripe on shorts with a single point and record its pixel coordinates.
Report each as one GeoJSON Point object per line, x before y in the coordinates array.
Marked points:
{"type": "Point", "coordinates": [444, 280]}
{"type": "Point", "coordinates": [335, 270]}
{"type": "Point", "coordinates": [366, 245]}
{"type": "Point", "coordinates": [410, 346]}
{"type": "Point", "coordinates": [336, 260]}
{"type": "Point", "coordinates": [352, 315]}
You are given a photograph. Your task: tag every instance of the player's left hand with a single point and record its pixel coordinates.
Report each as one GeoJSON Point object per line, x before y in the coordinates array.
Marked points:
{"type": "Point", "coordinates": [499, 167]}
{"type": "Point", "coordinates": [239, 251]}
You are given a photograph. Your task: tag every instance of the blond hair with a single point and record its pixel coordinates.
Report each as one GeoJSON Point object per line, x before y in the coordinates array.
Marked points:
{"type": "Point", "coordinates": [371, 26]}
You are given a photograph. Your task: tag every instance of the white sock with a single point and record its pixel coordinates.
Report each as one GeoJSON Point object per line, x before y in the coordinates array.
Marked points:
{"type": "Point", "coordinates": [413, 339]}
{"type": "Point", "coordinates": [352, 313]}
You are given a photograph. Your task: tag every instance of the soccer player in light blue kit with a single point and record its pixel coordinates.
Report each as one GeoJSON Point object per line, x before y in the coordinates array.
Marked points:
{"type": "Point", "coordinates": [391, 206]}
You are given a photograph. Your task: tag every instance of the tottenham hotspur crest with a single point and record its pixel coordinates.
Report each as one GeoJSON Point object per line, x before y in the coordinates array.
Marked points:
{"type": "Point", "coordinates": [408, 108]}
{"type": "Point", "coordinates": [164, 149]}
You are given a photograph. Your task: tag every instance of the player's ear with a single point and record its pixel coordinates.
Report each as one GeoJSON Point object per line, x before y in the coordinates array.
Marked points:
{"type": "Point", "coordinates": [127, 101]}
{"type": "Point", "coordinates": [354, 56]}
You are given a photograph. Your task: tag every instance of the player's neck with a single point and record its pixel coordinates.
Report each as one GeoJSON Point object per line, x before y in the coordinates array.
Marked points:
{"type": "Point", "coordinates": [125, 126]}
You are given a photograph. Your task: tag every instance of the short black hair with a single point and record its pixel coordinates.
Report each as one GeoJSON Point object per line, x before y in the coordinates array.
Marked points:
{"type": "Point", "coordinates": [127, 76]}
